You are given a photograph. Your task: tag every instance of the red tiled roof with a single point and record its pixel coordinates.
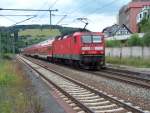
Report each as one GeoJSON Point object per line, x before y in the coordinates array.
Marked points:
{"type": "Point", "coordinates": [138, 4]}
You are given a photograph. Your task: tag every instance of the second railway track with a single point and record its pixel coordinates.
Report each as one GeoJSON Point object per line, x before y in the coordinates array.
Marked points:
{"type": "Point", "coordinates": [124, 77]}
{"type": "Point", "coordinates": [135, 78]}
{"type": "Point", "coordinates": [89, 99]}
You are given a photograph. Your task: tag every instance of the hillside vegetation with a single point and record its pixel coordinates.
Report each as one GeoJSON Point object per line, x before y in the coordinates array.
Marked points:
{"type": "Point", "coordinates": [13, 39]}
{"type": "Point", "coordinates": [38, 33]}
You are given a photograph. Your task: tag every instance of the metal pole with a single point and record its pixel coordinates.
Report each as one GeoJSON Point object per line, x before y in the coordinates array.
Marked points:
{"type": "Point", "coordinates": [50, 14]}
{"type": "Point", "coordinates": [49, 10]}
{"type": "Point", "coordinates": [13, 43]}
{"type": "Point", "coordinates": [0, 46]}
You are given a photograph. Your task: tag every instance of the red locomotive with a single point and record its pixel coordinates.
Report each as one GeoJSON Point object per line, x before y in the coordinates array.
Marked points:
{"type": "Point", "coordinates": [80, 48]}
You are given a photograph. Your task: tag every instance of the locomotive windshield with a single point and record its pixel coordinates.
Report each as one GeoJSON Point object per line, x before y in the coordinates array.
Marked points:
{"type": "Point", "coordinates": [87, 39]}
{"type": "Point", "coordinates": [91, 39]}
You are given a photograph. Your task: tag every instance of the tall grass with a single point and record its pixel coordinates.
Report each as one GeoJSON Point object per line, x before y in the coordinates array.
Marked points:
{"type": "Point", "coordinates": [16, 93]}
{"type": "Point", "coordinates": [136, 62]}
{"type": "Point", "coordinates": [7, 74]}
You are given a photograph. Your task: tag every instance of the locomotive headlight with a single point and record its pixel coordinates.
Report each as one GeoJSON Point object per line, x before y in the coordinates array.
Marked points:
{"type": "Point", "coordinates": [99, 48]}
{"type": "Point", "coordinates": [85, 48]}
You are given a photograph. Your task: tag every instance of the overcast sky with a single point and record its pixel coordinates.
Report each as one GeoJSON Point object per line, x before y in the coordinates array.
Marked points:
{"type": "Point", "coordinates": [100, 13]}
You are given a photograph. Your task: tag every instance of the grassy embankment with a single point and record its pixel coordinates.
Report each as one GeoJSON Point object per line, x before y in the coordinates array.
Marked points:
{"type": "Point", "coordinates": [16, 92]}
{"type": "Point", "coordinates": [136, 62]}
{"type": "Point", "coordinates": [39, 33]}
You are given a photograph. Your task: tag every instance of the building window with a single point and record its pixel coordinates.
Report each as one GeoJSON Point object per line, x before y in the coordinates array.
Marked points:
{"type": "Point", "coordinates": [145, 14]}
{"type": "Point", "coordinates": [140, 15]}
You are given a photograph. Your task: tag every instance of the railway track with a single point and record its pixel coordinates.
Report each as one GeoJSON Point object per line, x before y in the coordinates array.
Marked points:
{"type": "Point", "coordinates": [82, 97]}
{"type": "Point", "coordinates": [135, 78]}
{"type": "Point", "coordinates": [124, 76]}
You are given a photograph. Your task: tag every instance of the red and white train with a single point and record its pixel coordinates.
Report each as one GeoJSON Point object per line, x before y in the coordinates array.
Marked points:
{"type": "Point", "coordinates": [80, 48]}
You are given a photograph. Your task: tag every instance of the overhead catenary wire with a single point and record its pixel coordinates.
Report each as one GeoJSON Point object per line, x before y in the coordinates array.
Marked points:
{"type": "Point", "coordinates": [7, 17]}
{"type": "Point", "coordinates": [17, 15]}
{"type": "Point", "coordinates": [41, 8]}
{"type": "Point", "coordinates": [98, 10]}
{"type": "Point", "coordinates": [75, 10]}
{"type": "Point", "coordinates": [32, 10]}
{"type": "Point", "coordinates": [72, 11]}
{"type": "Point", "coordinates": [23, 21]}
{"type": "Point", "coordinates": [12, 20]}
{"type": "Point", "coordinates": [64, 16]}
{"type": "Point", "coordinates": [54, 3]}
{"type": "Point", "coordinates": [49, 10]}
{"type": "Point", "coordinates": [104, 6]}
{"type": "Point", "coordinates": [93, 12]}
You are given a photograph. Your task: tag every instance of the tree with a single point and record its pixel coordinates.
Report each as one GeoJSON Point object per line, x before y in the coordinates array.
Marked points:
{"type": "Point", "coordinates": [134, 40]}
{"type": "Point", "coordinates": [113, 43]}
{"type": "Point", "coordinates": [144, 25]}
{"type": "Point", "coordinates": [146, 39]}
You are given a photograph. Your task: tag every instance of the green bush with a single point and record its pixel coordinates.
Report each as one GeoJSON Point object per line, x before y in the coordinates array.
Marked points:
{"type": "Point", "coordinates": [134, 40]}
{"type": "Point", "coordinates": [146, 39]}
{"type": "Point", "coordinates": [113, 43]}
{"type": "Point", "coordinates": [144, 25]}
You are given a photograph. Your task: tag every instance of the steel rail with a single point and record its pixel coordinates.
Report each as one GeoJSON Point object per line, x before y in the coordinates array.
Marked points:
{"type": "Point", "coordinates": [126, 79]}
{"type": "Point", "coordinates": [96, 91]}
{"type": "Point", "coordinates": [85, 108]}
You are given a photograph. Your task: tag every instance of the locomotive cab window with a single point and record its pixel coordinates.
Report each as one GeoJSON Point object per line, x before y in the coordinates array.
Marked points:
{"type": "Point", "coordinates": [87, 39]}
{"type": "Point", "coordinates": [97, 39]}
{"type": "Point", "coordinates": [91, 39]}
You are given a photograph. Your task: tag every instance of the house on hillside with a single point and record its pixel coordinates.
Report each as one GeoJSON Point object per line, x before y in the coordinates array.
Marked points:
{"type": "Point", "coordinates": [116, 30]}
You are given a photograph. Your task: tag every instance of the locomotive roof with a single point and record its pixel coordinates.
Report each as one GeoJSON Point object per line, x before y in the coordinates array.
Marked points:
{"type": "Point", "coordinates": [87, 33]}
{"type": "Point", "coordinates": [78, 33]}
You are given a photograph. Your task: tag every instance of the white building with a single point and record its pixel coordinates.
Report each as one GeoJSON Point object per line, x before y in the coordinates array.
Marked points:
{"type": "Point", "coordinates": [145, 13]}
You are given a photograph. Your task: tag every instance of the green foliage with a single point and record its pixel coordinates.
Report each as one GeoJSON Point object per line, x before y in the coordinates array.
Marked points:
{"type": "Point", "coordinates": [34, 36]}
{"type": "Point", "coordinates": [15, 96]}
{"type": "Point", "coordinates": [39, 32]}
{"type": "Point", "coordinates": [6, 77]}
{"type": "Point", "coordinates": [28, 35]}
{"type": "Point", "coordinates": [134, 40]}
{"type": "Point", "coordinates": [136, 62]}
{"type": "Point", "coordinates": [5, 107]}
{"type": "Point", "coordinates": [146, 39]}
{"type": "Point", "coordinates": [145, 25]}
{"type": "Point", "coordinates": [113, 43]}
{"type": "Point", "coordinates": [6, 40]}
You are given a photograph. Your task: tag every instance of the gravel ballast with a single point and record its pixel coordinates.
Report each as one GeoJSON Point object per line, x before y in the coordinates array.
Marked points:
{"type": "Point", "coordinates": [48, 102]}
{"type": "Point", "coordinates": [137, 95]}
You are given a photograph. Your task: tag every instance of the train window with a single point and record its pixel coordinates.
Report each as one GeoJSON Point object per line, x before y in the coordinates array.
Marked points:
{"type": "Point", "coordinates": [97, 39]}
{"type": "Point", "coordinates": [87, 39]}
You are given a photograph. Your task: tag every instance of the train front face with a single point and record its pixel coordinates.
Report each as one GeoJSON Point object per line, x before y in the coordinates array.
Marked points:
{"type": "Point", "coordinates": [92, 49]}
